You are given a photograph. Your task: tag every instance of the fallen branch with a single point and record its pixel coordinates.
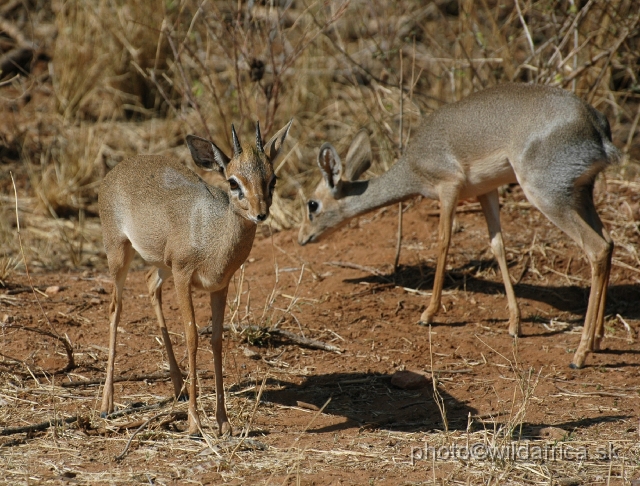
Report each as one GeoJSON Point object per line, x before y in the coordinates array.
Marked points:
{"type": "Point", "coordinates": [591, 394]}
{"type": "Point", "coordinates": [164, 375]}
{"type": "Point", "coordinates": [143, 408]}
{"type": "Point", "coordinates": [371, 270]}
{"type": "Point", "coordinates": [293, 337]}
{"type": "Point", "coordinates": [38, 427]}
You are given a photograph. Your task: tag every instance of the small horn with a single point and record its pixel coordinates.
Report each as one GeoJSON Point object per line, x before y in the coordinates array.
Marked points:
{"type": "Point", "coordinates": [259, 138]}
{"type": "Point", "coordinates": [237, 149]}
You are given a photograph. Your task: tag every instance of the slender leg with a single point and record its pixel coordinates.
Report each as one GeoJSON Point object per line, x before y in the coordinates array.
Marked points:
{"type": "Point", "coordinates": [218, 303]}
{"type": "Point", "coordinates": [448, 203]}
{"type": "Point", "coordinates": [155, 279]}
{"type": "Point", "coordinates": [491, 209]}
{"type": "Point", "coordinates": [183, 291]}
{"type": "Point", "coordinates": [578, 219]}
{"type": "Point", "coordinates": [599, 331]}
{"type": "Point", "coordinates": [119, 259]}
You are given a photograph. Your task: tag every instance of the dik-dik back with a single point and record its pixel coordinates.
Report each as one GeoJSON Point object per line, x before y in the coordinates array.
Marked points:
{"type": "Point", "coordinates": [170, 215]}
{"type": "Point", "coordinates": [510, 133]}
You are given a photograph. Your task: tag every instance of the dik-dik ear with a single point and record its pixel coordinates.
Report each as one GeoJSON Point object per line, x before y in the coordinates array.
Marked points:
{"type": "Point", "coordinates": [358, 158]}
{"type": "Point", "coordinates": [206, 155]}
{"type": "Point", "coordinates": [331, 167]}
{"type": "Point", "coordinates": [273, 147]}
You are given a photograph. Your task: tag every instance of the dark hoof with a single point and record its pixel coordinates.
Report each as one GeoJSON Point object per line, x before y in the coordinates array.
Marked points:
{"type": "Point", "coordinates": [103, 414]}
{"type": "Point", "coordinates": [574, 366]}
{"type": "Point", "coordinates": [183, 398]}
{"type": "Point", "coordinates": [197, 436]}
{"type": "Point", "coordinates": [423, 323]}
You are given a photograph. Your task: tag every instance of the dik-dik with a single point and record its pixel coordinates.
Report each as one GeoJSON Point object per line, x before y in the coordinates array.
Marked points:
{"type": "Point", "coordinates": [184, 227]}
{"type": "Point", "coordinates": [546, 139]}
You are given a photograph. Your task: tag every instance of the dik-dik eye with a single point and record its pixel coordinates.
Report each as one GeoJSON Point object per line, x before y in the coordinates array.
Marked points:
{"type": "Point", "coordinates": [235, 187]}
{"type": "Point", "coordinates": [313, 206]}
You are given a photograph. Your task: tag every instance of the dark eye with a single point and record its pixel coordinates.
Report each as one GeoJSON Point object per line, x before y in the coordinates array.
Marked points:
{"type": "Point", "coordinates": [235, 187]}
{"type": "Point", "coordinates": [313, 206]}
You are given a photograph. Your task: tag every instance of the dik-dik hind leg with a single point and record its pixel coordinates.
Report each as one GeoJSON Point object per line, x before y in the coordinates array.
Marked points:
{"type": "Point", "coordinates": [183, 291]}
{"type": "Point", "coordinates": [591, 216]}
{"type": "Point", "coordinates": [119, 258]}
{"type": "Point", "coordinates": [218, 303]}
{"type": "Point", "coordinates": [448, 203]}
{"type": "Point", "coordinates": [579, 220]}
{"type": "Point", "coordinates": [155, 278]}
{"type": "Point", "coordinates": [491, 209]}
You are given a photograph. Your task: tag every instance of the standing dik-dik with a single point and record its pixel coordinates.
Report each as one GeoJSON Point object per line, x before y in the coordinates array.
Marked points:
{"type": "Point", "coordinates": [183, 226]}
{"type": "Point", "coordinates": [548, 140]}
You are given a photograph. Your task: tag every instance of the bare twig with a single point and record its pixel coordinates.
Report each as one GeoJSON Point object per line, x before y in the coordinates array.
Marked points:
{"type": "Point", "coordinates": [149, 377]}
{"type": "Point", "coordinates": [291, 336]}
{"type": "Point", "coordinates": [38, 427]}
{"type": "Point", "coordinates": [68, 347]}
{"type": "Point", "coordinates": [67, 344]}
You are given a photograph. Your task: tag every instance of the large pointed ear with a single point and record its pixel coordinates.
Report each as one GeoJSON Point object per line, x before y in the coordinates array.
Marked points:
{"type": "Point", "coordinates": [331, 166]}
{"type": "Point", "coordinates": [273, 147]}
{"type": "Point", "coordinates": [358, 158]}
{"type": "Point", "coordinates": [206, 155]}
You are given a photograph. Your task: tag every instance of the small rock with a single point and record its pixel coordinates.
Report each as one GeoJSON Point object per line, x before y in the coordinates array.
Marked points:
{"type": "Point", "coordinates": [553, 433]}
{"type": "Point", "coordinates": [308, 406]}
{"type": "Point", "coordinates": [7, 319]}
{"type": "Point", "coordinates": [52, 290]}
{"type": "Point", "coordinates": [408, 380]}
{"type": "Point", "coordinates": [251, 354]}
{"type": "Point", "coordinates": [95, 301]}
{"type": "Point", "coordinates": [99, 290]}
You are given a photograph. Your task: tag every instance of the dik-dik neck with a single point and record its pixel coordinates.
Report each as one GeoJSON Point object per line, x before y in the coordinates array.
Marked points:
{"type": "Point", "coordinates": [395, 185]}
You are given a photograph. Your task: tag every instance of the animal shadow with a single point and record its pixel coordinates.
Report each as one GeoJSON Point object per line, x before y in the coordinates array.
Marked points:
{"type": "Point", "coordinates": [369, 400]}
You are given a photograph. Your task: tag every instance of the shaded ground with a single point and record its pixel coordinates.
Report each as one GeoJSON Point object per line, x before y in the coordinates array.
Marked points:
{"type": "Point", "coordinates": [369, 432]}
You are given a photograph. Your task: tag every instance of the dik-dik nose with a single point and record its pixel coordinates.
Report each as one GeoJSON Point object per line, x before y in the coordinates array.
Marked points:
{"type": "Point", "coordinates": [261, 217]}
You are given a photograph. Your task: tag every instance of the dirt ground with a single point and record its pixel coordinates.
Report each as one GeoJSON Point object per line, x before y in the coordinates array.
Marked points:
{"type": "Point", "coordinates": [335, 418]}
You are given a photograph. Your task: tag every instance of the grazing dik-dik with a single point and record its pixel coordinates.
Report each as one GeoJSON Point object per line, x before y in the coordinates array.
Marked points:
{"type": "Point", "coordinates": [183, 226]}
{"type": "Point", "coordinates": [546, 139]}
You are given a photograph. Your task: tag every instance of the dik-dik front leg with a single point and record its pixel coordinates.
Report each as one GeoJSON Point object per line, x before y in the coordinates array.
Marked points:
{"type": "Point", "coordinates": [218, 303]}
{"type": "Point", "coordinates": [119, 257]}
{"type": "Point", "coordinates": [155, 278]}
{"type": "Point", "coordinates": [183, 292]}
{"type": "Point", "coordinates": [491, 208]}
{"type": "Point", "coordinates": [448, 201]}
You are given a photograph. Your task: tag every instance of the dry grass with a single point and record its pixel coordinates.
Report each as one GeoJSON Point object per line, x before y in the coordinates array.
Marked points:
{"type": "Point", "coordinates": [154, 72]}
{"type": "Point", "coordinates": [109, 79]}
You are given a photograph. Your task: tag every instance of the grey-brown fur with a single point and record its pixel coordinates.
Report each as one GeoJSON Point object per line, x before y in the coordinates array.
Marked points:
{"type": "Point", "coordinates": [547, 139]}
{"type": "Point", "coordinates": [184, 227]}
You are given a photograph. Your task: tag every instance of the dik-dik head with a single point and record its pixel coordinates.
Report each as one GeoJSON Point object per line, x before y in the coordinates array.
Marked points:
{"type": "Point", "coordinates": [324, 210]}
{"type": "Point", "coordinates": [249, 173]}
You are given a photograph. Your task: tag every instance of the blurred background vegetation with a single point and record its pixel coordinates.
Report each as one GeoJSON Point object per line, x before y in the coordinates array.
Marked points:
{"type": "Point", "coordinates": [86, 83]}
